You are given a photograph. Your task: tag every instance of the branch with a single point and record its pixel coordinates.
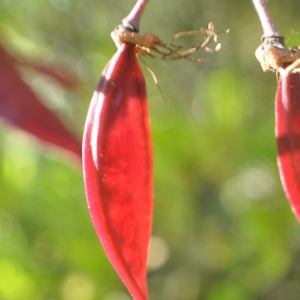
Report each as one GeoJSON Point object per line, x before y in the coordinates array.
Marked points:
{"type": "Point", "coordinates": [132, 21]}
{"type": "Point", "coordinates": [266, 22]}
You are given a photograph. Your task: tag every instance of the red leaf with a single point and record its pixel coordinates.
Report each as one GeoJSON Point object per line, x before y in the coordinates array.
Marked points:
{"type": "Point", "coordinates": [19, 106]}
{"type": "Point", "coordinates": [117, 161]}
{"type": "Point", "coordinates": [288, 137]}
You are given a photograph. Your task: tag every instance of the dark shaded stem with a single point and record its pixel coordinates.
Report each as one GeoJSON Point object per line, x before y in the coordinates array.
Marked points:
{"type": "Point", "coordinates": [133, 19]}
{"type": "Point", "coordinates": [266, 22]}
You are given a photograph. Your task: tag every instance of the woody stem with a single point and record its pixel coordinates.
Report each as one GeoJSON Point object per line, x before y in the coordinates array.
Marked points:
{"type": "Point", "coordinates": [266, 22]}
{"type": "Point", "coordinates": [133, 19]}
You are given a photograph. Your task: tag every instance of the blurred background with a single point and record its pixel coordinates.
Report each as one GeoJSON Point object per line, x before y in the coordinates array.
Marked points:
{"type": "Point", "coordinates": [222, 229]}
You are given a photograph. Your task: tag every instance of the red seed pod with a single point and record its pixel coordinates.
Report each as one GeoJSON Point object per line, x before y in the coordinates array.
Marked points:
{"type": "Point", "coordinates": [117, 162]}
{"type": "Point", "coordinates": [288, 137]}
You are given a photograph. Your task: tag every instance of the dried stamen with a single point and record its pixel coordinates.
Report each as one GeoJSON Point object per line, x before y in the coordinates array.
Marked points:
{"type": "Point", "coordinates": [274, 56]}
{"type": "Point", "coordinates": [150, 44]}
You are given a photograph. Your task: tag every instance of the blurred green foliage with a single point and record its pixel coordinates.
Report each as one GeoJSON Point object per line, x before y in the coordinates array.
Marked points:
{"type": "Point", "coordinates": [222, 225]}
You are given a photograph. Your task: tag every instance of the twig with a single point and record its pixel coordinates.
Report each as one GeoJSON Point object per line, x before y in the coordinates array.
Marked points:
{"type": "Point", "coordinates": [266, 22]}
{"type": "Point", "coordinates": [133, 19]}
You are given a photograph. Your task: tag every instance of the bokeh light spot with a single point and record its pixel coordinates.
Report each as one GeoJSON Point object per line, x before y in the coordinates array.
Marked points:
{"type": "Point", "coordinates": [15, 283]}
{"type": "Point", "coordinates": [182, 284]}
{"type": "Point", "coordinates": [158, 254]}
{"type": "Point", "coordinates": [78, 287]}
{"type": "Point", "coordinates": [113, 295]}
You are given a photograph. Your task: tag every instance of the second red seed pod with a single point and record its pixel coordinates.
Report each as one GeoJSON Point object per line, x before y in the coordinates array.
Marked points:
{"type": "Point", "coordinates": [288, 137]}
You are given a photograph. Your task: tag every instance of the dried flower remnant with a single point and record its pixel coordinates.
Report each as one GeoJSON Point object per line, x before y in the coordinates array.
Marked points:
{"type": "Point", "coordinates": [274, 56]}
{"type": "Point", "coordinates": [150, 44]}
